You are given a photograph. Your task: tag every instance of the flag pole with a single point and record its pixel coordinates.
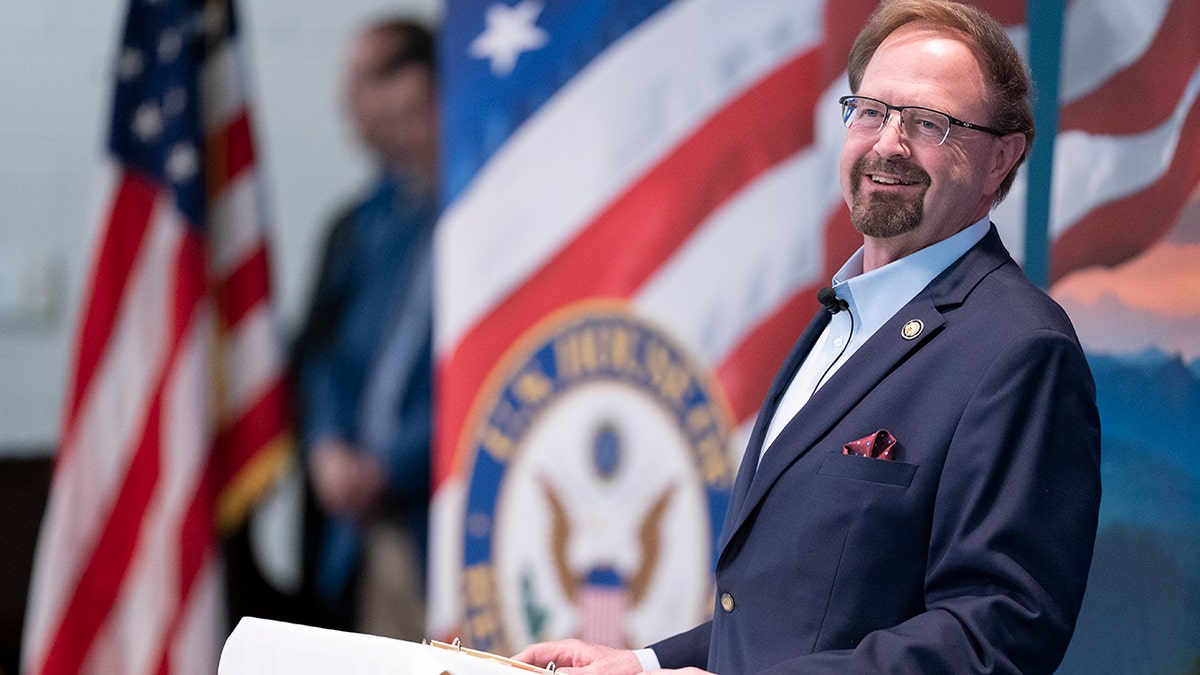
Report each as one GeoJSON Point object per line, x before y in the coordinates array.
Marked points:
{"type": "Point", "coordinates": [1045, 20]}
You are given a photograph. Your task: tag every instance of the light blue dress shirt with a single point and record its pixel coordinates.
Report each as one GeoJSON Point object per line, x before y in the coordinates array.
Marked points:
{"type": "Point", "coordinates": [873, 298]}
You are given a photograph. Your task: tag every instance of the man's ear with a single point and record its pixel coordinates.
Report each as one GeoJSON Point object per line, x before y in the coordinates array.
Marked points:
{"type": "Point", "coordinates": [1007, 151]}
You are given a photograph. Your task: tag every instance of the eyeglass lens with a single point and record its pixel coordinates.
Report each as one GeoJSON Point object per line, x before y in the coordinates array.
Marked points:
{"type": "Point", "coordinates": [866, 115]}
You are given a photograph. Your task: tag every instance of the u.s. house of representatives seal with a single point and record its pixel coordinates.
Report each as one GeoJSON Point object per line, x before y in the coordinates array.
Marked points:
{"type": "Point", "coordinates": [599, 475]}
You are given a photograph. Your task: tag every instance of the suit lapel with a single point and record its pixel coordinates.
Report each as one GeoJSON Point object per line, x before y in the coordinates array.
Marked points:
{"type": "Point", "coordinates": [878, 357]}
{"type": "Point", "coordinates": [783, 377]}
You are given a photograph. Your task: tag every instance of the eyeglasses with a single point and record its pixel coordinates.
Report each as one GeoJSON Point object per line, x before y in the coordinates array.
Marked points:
{"type": "Point", "coordinates": [869, 115]}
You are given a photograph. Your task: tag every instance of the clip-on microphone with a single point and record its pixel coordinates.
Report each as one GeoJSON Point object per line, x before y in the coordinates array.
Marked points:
{"type": "Point", "coordinates": [828, 297]}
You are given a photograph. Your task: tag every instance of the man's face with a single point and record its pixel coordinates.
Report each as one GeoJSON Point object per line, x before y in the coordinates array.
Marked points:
{"type": "Point", "coordinates": [902, 191]}
{"type": "Point", "coordinates": [393, 114]}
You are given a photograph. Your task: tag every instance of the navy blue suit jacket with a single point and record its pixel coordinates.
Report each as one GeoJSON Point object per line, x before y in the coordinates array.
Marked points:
{"type": "Point", "coordinates": [968, 552]}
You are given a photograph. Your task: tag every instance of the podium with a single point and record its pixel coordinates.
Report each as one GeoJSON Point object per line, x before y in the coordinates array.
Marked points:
{"type": "Point", "coordinates": [263, 647]}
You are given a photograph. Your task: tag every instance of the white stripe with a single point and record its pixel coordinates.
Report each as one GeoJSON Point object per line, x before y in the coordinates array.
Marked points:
{"type": "Point", "coordinates": [235, 224]}
{"type": "Point", "coordinates": [149, 596]}
{"type": "Point", "coordinates": [254, 357]}
{"type": "Point", "coordinates": [253, 360]}
{"type": "Point", "coordinates": [109, 425]}
{"type": "Point", "coordinates": [1091, 170]}
{"type": "Point", "coordinates": [1009, 216]}
{"type": "Point", "coordinates": [447, 509]}
{"type": "Point", "coordinates": [602, 131]}
{"type": "Point", "coordinates": [753, 254]}
{"type": "Point", "coordinates": [106, 655]}
{"type": "Point", "coordinates": [221, 86]}
{"type": "Point", "coordinates": [196, 648]}
{"type": "Point", "coordinates": [1102, 37]}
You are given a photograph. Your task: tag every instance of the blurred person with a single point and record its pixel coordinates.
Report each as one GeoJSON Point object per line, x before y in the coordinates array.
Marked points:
{"type": "Point", "coordinates": [921, 489]}
{"type": "Point", "coordinates": [362, 364]}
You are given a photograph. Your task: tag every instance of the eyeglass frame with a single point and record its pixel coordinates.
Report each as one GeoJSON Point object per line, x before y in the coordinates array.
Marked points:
{"type": "Point", "coordinates": [888, 108]}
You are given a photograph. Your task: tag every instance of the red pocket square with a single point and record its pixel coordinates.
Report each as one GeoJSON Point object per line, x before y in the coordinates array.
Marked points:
{"type": "Point", "coordinates": [877, 446]}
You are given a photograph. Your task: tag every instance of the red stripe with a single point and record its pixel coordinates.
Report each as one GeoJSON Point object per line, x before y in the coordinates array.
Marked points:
{"type": "Point", "coordinates": [256, 428]}
{"type": "Point", "coordinates": [246, 288]}
{"type": "Point", "coordinates": [95, 594]}
{"type": "Point", "coordinates": [748, 368]}
{"type": "Point", "coordinates": [1144, 94]}
{"type": "Point", "coordinates": [1005, 12]}
{"type": "Point", "coordinates": [230, 152]}
{"type": "Point", "coordinates": [124, 235]}
{"type": "Point", "coordinates": [626, 243]}
{"type": "Point", "coordinates": [96, 591]}
{"type": "Point", "coordinates": [197, 542]}
{"type": "Point", "coordinates": [1121, 229]}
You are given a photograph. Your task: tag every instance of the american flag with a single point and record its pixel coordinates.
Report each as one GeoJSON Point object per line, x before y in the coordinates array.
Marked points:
{"type": "Point", "coordinates": [1127, 154]}
{"type": "Point", "coordinates": [681, 157]}
{"type": "Point", "coordinates": [175, 416]}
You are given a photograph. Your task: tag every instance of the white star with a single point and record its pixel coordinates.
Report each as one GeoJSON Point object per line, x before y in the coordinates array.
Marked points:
{"type": "Point", "coordinates": [182, 163]}
{"type": "Point", "coordinates": [169, 45]}
{"type": "Point", "coordinates": [147, 122]}
{"type": "Point", "coordinates": [131, 64]}
{"type": "Point", "coordinates": [510, 31]}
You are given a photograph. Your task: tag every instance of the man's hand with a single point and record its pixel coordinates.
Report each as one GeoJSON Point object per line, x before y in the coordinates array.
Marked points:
{"type": "Point", "coordinates": [576, 657]}
{"type": "Point", "coordinates": [346, 482]}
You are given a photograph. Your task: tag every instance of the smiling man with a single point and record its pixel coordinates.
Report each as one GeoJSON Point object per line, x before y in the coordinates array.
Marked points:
{"type": "Point", "coordinates": [921, 489]}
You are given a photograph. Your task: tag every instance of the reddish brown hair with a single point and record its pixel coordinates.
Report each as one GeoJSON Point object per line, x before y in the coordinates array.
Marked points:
{"type": "Point", "coordinates": [1008, 81]}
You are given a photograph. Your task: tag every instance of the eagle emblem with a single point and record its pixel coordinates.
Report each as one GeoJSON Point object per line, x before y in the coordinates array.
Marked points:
{"type": "Point", "coordinates": [599, 475]}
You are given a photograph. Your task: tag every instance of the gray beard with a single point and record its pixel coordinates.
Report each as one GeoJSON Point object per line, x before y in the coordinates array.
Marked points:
{"type": "Point", "coordinates": [884, 216]}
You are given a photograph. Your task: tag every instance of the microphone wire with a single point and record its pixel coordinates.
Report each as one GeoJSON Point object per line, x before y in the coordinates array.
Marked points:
{"type": "Point", "coordinates": [839, 305]}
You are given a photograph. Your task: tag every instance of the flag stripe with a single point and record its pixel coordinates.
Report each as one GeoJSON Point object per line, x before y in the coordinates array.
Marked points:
{"type": "Point", "coordinates": [1143, 95]}
{"type": "Point", "coordinates": [248, 366]}
{"type": "Point", "coordinates": [234, 228]}
{"type": "Point", "coordinates": [701, 173]}
{"type": "Point", "coordinates": [195, 553]}
{"type": "Point", "coordinates": [1105, 235]}
{"type": "Point", "coordinates": [1091, 170]}
{"type": "Point", "coordinates": [246, 434]}
{"type": "Point", "coordinates": [231, 153]}
{"type": "Point", "coordinates": [245, 289]}
{"type": "Point", "coordinates": [95, 451]}
{"type": "Point", "coordinates": [149, 600]}
{"type": "Point", "coordinates": [201, 633]}
{"type": "Point", "coordinates": [97, 589]}
{"type": "Point", "coordinates": [756, 229]}
{"type": "Point", "coordinates": [128, 221]}
{"type": "Point", "coordinates": [748, 369]}
{"type": "Point", "coordinates": [578, 153]}
{"type": "Point", "coordinates": [1102, 37]}
{"type": "Point", "coordinates": [82, 620]}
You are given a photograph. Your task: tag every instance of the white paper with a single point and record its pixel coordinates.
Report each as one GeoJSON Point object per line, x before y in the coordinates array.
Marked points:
{"type": "Point", "coordinates": [262, 647]}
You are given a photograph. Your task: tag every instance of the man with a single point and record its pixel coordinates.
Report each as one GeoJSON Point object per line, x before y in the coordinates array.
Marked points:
{"type": "Point", "coordinates": [920, 492]}
{"type": "Point", "coordinates": [363, 361]}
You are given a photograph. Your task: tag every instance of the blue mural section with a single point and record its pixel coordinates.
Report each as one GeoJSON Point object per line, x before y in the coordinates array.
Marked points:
{"type": "Point", "coordinates": [1141, 614]}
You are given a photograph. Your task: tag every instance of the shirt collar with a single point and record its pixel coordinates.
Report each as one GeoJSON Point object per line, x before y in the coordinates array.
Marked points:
{"type": "Point", "coordinates": [875, 296]}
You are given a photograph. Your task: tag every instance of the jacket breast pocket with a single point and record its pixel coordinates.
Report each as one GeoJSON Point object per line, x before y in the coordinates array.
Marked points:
{"type": "Point", "coordinates": [885, 471]}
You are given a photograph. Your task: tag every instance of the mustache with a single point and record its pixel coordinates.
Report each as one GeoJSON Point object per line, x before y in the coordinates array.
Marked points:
{"type": "Point", "coordinates": [905, 171]}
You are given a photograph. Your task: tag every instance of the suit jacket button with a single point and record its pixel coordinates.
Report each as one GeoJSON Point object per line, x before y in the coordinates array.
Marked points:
{"type": "Point", "coordinates": [727, 602]}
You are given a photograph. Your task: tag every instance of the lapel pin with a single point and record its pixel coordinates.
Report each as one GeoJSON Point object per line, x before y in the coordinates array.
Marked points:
{"type": "Point", "coordinates": [912, 329]}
